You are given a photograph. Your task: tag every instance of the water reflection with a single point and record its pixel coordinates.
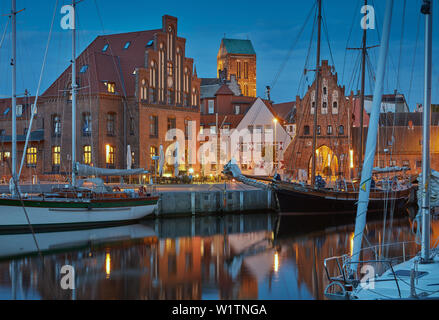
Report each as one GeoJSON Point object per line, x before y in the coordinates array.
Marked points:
{"type": "Point", "coordinates": [235, 257]}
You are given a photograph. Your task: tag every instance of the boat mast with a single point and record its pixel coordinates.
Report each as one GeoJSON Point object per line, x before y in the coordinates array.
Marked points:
{"type": "Point", "coordinates": [74, 94]}
{"type": "Point", "coordinates": [363, 80]}
{"type": "Point", "coordinates": [427, 10]}
{"type": "Point", "coordinates": [316, 107]}
{"type": "Point", "coordinates": [372, 133]}
{"type": "Point", "coordinates": [14, 96]}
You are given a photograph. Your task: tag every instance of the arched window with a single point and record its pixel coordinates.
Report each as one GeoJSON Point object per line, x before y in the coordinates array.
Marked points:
{"type": "Point", "coordinates": [306, 131]}
{"type": "Point", "coordinates": [86, 124]}
{"type": "Point", "coordinates": [341, 130]}
{"type": "Point", "coordinates": [111, 124]}
{"type": "Point", "coordinates": [56, 125]}
{"type": "Point", "coordinates": [144, 90]}
{"type": "Point", "coordinates": [153, 82]}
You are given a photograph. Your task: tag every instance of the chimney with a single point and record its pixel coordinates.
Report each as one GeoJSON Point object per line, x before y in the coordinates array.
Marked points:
{"type": "Point", "coordinates": [268, 93]}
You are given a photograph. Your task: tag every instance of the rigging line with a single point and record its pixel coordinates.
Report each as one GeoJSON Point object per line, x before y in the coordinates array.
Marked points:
{"type": "Point", "coordinates": [34, 107]}
{"type": "Point", "coordinates": [414, 58]}
{"type": "Point", "coordinates": [301, 82]}
{"type": "Point", "coordinates": [400, 44]}
{"type": "Point", "coordinates": [4, 33]}
{"type": "Point", "coordinates": [116, 63]}
{"type": "Point", "coordinates": [325, 29]}
{"type": "Point", "coordinates": [282, 66]}
{"type": "Point", "coordinates": [349, 38]}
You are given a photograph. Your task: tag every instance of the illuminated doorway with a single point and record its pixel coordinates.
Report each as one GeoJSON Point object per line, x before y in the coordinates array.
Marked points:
{"type": "Point", "coordinates": [326, 164]}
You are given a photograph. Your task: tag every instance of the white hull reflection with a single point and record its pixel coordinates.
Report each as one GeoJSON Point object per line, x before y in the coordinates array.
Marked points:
{"type": "Point", "coordinates": [16, 245]}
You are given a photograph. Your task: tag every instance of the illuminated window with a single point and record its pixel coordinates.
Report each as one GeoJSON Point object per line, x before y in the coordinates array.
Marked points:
{"type": "Point", "coordinates": [237, 109]}
{"type": "Point", "coordinates": [153, 151]}
{"type": "Point", "coordinates": [56, 155]}
{"type": "Point", "coordinates": [111, 87]}
{"type": "Point", "coordinates": [31, 156]}
{"type": "Point", "coordinates": [245, 70]}
{"type": "Point", "coordinates": [170, 69]}
{"type": "Point", "coordinates": [87, 155]}
{"type": "Point", "coordinates": [109, 155]}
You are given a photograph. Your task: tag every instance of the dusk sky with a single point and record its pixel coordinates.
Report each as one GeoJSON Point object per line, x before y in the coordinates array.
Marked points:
{"type": "Point", "coordinates": [273, 27]}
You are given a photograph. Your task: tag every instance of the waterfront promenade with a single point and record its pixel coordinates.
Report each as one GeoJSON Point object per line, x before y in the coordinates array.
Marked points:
{"type": "Point", "coordinates": [192, 199]}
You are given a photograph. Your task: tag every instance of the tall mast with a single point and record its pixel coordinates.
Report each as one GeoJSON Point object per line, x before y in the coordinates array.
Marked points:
{"type": "Point", "coordinates": [314, 137]}
{"type": "Point", "coordinates": [363, 78]}
{"type": "Point", "coordinates": [372, 133]}
{"type": "Point", "coordinates": [427, 10]}
{"type": "Point", "coordinates": [14, 95]}
{"type": "Point", "coordinates": [74, 94]}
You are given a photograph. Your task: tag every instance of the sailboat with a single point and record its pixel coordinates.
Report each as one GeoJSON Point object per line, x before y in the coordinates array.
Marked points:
{"type": "Point", "coordinates": [301, 198]}
{"type": "Point", "coordinates": [82, 203]}
{"type": "Point", "coordinates": [418, 277]}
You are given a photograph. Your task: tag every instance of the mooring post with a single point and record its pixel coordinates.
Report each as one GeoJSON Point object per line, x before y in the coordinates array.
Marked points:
{"type": "Point", "coordinates": [269, 199]}
{"type": "Point", "coordinates": [193, 203]}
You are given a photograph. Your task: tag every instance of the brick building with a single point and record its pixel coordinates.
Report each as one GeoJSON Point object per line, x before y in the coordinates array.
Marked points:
{"type": "Point", "coordinates": [133, 88]}
{"type": "Point", "coordinates": [400, 141]}
{"type": "Point", "coordinates": [333, 121]}
{"type": "Point", "coordinates": [238, 57]}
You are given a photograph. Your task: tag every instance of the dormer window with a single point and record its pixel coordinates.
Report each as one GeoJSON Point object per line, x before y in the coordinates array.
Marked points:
{"type": "Point", "coordinates": [127, 45]}
{"type": "Point", "coordinates": [111, 87]}
{"type": "Point", "coordinates": [104, 49]}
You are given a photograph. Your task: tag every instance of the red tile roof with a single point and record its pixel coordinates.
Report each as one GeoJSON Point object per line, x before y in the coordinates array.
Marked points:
{"type": "Point", "coordinates": [232, 120]}
{"type": "Point", "coordinates": [116, 64]}
{"type": "Point", "coordinates": [284, 109]}
{"type": "Point", "coordinates": [224, 90]}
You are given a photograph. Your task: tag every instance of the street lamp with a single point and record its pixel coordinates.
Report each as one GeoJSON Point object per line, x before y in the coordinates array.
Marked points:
{"type": "Point", "coordinates": [275, 121]}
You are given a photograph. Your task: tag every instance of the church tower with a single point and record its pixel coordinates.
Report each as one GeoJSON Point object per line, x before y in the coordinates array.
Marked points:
{"type": "Point", "coordinates": [238, 57]}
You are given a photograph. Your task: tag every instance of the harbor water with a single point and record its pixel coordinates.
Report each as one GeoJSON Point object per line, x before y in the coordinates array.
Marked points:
{"type": "Point", "coordinates": [203, 258]}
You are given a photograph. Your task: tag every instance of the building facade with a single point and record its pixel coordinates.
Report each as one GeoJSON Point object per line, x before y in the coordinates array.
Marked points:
{"type": "Point", "coordinates": [332, 138]}
{"type": "Point", "coordinates": [134, 89]}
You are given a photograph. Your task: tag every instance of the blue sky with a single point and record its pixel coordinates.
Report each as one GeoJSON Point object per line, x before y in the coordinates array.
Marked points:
{"type": "Point", "coordinates": [272, 26]}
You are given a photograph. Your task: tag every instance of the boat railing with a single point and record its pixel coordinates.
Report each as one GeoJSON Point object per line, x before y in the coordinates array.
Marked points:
{"type": "Point", "coordinates": [342, 283]}
{"type": "Point", "coordinates": [342, 280]}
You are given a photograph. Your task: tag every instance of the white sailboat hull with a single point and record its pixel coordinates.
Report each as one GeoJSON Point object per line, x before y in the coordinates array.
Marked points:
{"type": "Point", "coordinates": [56, 214]}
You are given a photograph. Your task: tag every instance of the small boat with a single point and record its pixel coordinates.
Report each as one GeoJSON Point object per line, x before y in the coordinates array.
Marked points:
{"type": "Point", "coordinates": [75, 205]}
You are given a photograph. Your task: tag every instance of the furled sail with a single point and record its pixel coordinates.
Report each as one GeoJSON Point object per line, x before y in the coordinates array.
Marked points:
{"type": "Point", "coordinates": [232, 169]}
{"type": "Point", "coordinates": [434, 189]}
{"type": "Point", "coordinates": [88, 171]}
